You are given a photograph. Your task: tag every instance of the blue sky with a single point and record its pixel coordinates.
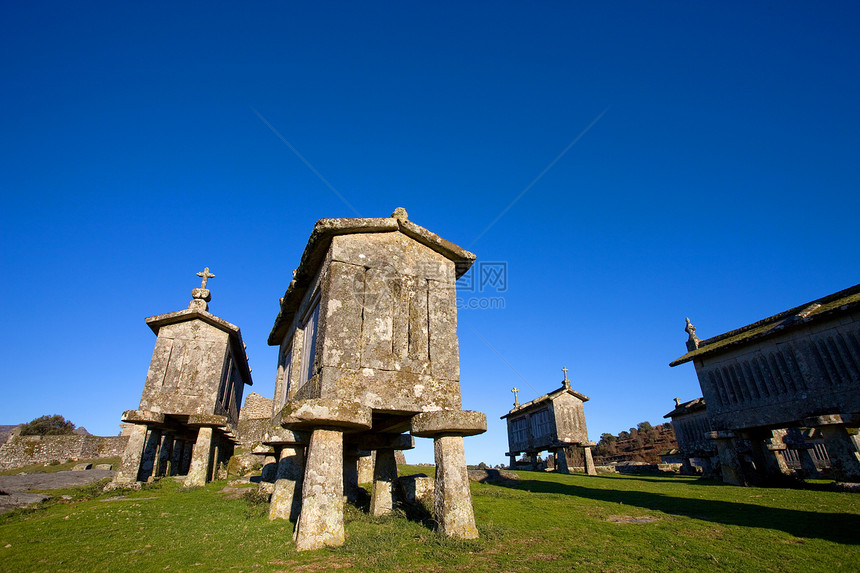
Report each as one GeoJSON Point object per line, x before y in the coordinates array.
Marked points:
{"type": "Point", "coordinates": [718, 180]}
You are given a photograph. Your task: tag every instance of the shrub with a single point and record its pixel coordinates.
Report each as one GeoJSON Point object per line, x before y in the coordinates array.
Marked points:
{"type": "Point", "coordinates": [54, 425]}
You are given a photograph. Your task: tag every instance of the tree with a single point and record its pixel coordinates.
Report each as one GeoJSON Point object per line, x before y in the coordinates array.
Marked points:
{"type": "Point", "coordinates": [54, 425]}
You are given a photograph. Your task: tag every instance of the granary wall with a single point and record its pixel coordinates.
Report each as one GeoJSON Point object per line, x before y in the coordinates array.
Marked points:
{"type": "Point", "coordinates": [690, 432]}
{"type": "Point", "coordinates": [569, 416]}
{"type": "Point", "coordinates": [186, 370]}
{"type": "Point", "coordinates": [400, 297]}
{"type": "Point", "coordinates": [19, 451]}
{"type": "Point", "coordinates": [807, 371]}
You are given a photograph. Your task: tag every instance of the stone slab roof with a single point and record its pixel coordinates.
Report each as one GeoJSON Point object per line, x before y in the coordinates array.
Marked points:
{"type": "Point", "coordinates": [687, 408]}
{"type": "Point", "coordinates": [156, 322]}
{"type": "Point", "coordinates": [540, 401]}
{"type": "Point", "coordinates": [318, 244]}
{"type": "Point", "coordinates": [817, 310]}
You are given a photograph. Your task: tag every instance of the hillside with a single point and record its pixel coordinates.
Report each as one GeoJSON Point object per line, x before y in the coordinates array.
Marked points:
{"type": "Point", "coordinates": [644, 443]}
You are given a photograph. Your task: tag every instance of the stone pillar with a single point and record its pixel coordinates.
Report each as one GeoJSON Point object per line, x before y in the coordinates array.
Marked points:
{"type": "Point", "coordinates": [200, 457]}
{"type": "Point", "coordinates": [533, 459]}
{"type": "Point", "coordinates": [561, 462]}
{"type": "Point", "coordinates": [384, 474]}
{"type": "Point", "coordinates": [730, 463]}
{"type": "Point", "coordinates": [350, 473]}
{"type": "Point", "coordinates": [165, 453]}
{"type": "Point", "coordinates": [216, 458]}
{"type": "Point", "coordinates": [513, 464]}
{"type": "Point", "coordinates": [176, 458]}
{"type": "Point", "coordinates": [365, 466]}
{"type": "Point", "coordinates": [269, 473]}
{"type": "Point", "coordinates": [589, 461]}
{"type": "Point", "coordinates": [842, 448]}
{"type": "Point", "coordinates": [285, 503]}
{"type": "Point", "coordinates": [150, 454]}
{"type": "Point", "coordinates": [321, 519]}
{"type": "Point", "coordinates": [130, 465]}
{"type": "Point", "coordinates": [452, 503]}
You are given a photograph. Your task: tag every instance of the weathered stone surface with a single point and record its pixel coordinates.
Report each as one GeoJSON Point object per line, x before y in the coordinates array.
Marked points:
{"type": "Point", "coordinates": [493, 476]}
{"type": "Point", "coordinates": [384, 474]}
{"type": "Point", "coordinates": [198, 473]}
{"type": "Point", "coordinates": [142, 417]}
{"type": "Point", "coordinates": [452, 500]}
{"type": "Point", "coordinates": [82, 467]}
{"type": "Point", "coordinates": [132, 456]}
{"type": "Point", "coordinates": [449, 422]}
{"type": "Point", "coordinates": [309, 414]}
{"type": "Point", "coordinates": [107, 467]}
{"type": "Point", "coordinates": [389, 441]}
{"type": "Point", "coordinates": [321, 519]}
{"type": "Point", "coordinates": [416, 488]}
{"type": "Point", "coordinates": [212, 420]}
{"type": "Point", "coordinates": [20, 451]}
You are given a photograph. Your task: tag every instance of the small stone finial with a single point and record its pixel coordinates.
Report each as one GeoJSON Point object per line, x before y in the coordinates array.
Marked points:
{"type": "Point", "coordinates": [516, 391]}
{"type": "Point", "coordinates": [400, 213]}
{"type": "Point", "coordinates": [693, 341]}
{"type": "Point", "coordinates": [566, 382]}
{"type": "Point", "coordinates": [206, 276]}
{"type": "Point", "coordinates": [677, 402]}
{"type": "Point", "coordinates": [201, 295]}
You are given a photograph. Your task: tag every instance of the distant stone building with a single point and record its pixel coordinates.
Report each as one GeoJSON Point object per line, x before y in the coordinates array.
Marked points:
{"type": "Point", "coordinates": [368, 350]}
{"type": "Point", "coordinates": [692, 430]}
{"type": "Point", "coordinates": [554, 423]}
{"type": "Point", "coordinates": [790, 381]}
{"type": "Point", "coordinates": [189, 407]}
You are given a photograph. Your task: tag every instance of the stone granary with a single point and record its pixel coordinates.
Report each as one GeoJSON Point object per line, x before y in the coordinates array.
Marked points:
{"type": "Point", "coordinates": [692, 427]}
{"type": "Point", "coordinates": [555, 422]}
{"type": "Point", "coordinates": [189, 408]}
{"type": "Point", "coordinates": [367, 332]}
{"type": "Point", "coordinates": [769, 384]}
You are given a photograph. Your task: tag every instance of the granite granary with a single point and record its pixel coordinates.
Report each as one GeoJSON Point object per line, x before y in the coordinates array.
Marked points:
{"type": "Point", "coordinates": [787, 383]}
{"type": "Point", "coordinates": [369, 358]}
{"type": "Point", "coordinates": [189, 408]}
{"type": "Point", "coordinates": [554, 422]}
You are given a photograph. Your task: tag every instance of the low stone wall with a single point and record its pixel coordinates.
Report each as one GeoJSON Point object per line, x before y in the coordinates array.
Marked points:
{"type": "Point", "coordinates": [20, 451]}
{"type": "Point", "coordinates": [250, 431]}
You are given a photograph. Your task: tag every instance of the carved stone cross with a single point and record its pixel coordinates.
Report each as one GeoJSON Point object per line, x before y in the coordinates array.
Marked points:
{"type": "Point", "coordinates": [516, 390]}
{"type": "Point", "coordinates": [564, 369]}
{"type": "Point", "coordinates": [206, 276]}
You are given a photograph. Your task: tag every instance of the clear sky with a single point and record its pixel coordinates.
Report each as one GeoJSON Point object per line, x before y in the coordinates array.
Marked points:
{"type": "Point", "coordinates": [711, 171]}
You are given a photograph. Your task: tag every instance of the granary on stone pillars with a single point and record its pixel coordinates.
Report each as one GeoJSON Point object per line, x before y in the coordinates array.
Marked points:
{"type": "Point", "coordinates": [787, 383]}
{"type": "Point", "coordinates": [554, 423]}
{"type": "Point", "coordinates": [369, 358]}
{"type": "Point", "coordinates": [189, 408]}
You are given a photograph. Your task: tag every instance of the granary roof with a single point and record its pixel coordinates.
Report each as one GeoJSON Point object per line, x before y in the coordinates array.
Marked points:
{"type": "Point", "coordinates": [687, 408]}
{"type": "Point", "coordinates": [320, 239]}
{"type": "Point", "coordinates": [540, 401]}
{"type": "Point", "coordinates": [817, 310]}
{"type": "Point", "coordinates": [156, 322]}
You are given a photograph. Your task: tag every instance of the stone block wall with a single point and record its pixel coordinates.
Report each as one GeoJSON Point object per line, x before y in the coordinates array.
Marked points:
{"type": "Point", "coordinates": [255, 407]}
{"type": "Point", "coordinates": [21, 451]}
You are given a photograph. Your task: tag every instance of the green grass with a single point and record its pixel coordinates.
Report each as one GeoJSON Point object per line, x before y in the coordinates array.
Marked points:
{"type": "Point", "coordinates": [546, 522]}
{"type": "Point", "coordinates": [52, 467]}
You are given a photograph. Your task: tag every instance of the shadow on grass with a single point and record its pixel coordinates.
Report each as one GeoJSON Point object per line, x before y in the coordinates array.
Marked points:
{"type": "Point", "coordinates": [836, 527]}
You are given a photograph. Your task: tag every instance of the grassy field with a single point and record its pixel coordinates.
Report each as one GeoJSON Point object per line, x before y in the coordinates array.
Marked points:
{"type": "Point", "coordinates": [545, 522]}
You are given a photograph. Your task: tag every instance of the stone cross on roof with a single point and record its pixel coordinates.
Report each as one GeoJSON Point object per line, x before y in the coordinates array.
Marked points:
{"type": "Point", "coordinates": [516, 390]}
{"type": "Point", "coordinates": [206, 276]}
{"type": "Point", "coordinates": [566, 382]}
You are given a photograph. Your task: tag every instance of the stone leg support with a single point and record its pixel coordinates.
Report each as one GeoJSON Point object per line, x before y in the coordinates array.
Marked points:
{"type": "Point", "coordinates": [513, 464]}
{"type": "Point", "coordinates": [321, 519]}
{"type": "Point", "coordinates": [166, 451]}
{"type": "Point", "coordinates": [384, 474]}
{"type": "Point", "coordinates": [286, 499]}
{"type": "Point", "coordinates": [270, 469]}
{"type": "Point", "coordinates": [730, 463]}
{"type": "Point", "coordinates": [452, 502]}
{"type": "Point", "coordinates": [561, 463]}
{"type": "Point", "coordinates": [842, 448]}
{"type": "Point", "coordinates": [132, 456]}
{"type": "Point", "coordinates": [350, 474]}
{"type": "Point", "coordinates": [150, 455]}
{"type": "Point", "coordinates": [200, 457]}
{"type": "Point", "coordinates": [589, 461]}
